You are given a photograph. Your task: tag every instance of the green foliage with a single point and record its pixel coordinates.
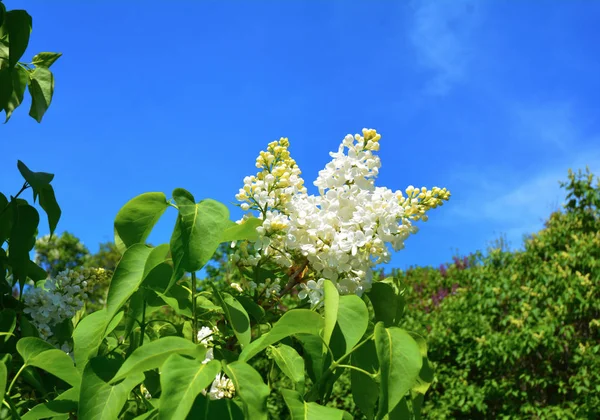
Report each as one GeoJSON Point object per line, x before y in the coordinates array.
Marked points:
{"type": "Point", "coordinates": [132, 358]}
{"type": "Point", "coordinates": [516, 334]}
{"type": "Point", "coordinates": [18, 227]}
{"type": "Point", "coordinates": [58, 253]}
{"type": "Point", "coordinates": [15, 76]}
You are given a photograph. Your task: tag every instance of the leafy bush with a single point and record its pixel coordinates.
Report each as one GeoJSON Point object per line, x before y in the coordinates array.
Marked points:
{"type": "Point", "coordinates": [295, 308]}
{"type": "Point", "coordinates": [517, 334]}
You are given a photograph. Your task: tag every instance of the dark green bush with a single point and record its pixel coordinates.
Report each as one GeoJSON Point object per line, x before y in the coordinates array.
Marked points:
{"type": "Point", "coordinates": [517, 334]}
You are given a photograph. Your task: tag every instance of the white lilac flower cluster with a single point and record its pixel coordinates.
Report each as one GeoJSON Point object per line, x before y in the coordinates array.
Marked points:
{"type": "Point", "coordinates": [222, 386]}
{"type": "Point", "coordinates": [268, 288]}
{"type": "Point", "coordinates": [60, 298]}
{"type": "Point", "coordinates": [342, 233]}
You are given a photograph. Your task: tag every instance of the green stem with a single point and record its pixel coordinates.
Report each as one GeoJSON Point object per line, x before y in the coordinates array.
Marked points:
{"type": "Point", "coordinates": [14, 379]}
{"type": "Point", "coordinates": [143, 324]}
{"type": "Point", "coordinates": [161, 320]}
{"type": "Point", "coordinates": [23, 188]}
{"type": "Point", "coordinates": [356, 368]}
{"type": "Point", "coordinates": [337, 362]}
{"type": "Point", "coordinates": [194, 315]}
{"type": "Point", "coordinates": [328, 348]}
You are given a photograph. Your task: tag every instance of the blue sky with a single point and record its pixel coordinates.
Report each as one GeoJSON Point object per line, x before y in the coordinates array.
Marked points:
{"type": "Point", "coordinates": [494, 100]}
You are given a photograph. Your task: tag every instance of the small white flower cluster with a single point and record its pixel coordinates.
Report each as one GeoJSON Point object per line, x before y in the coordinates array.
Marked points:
{"type": "Point", "coordinates": [269, 288]}
{"type": "Point", "coordinates": [342, 233]}
{"type": "Point", "coordinates": [60, 298]}
{"type": "Point", "coordinates": [221, 387]}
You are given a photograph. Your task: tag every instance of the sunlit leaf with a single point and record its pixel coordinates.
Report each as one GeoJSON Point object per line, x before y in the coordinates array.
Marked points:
{"type": "Point", "coordinates": [98, 400]}
{"type": "Point", "coordinates": [137, 217]}
{"type": "Point", "coordinates": [290, 363]}
{"type": "Point", "coordinates": [45, 59]}
{"type": "Point", "coordinates": [301, 410]}
{"type": "Point", "coordinates": [400, 361]}
{"type": "Point", "coordinates": [41, 88]}
{"type": "Point", "coordinates": [296, 321]}
{"type": "Point", "coordinates": [181, 381]}
{"type": "Point", "coordinates": [197, 231]}
{"type": "Point", "coordinates": [152, 355]}
{"type": "Point", "coordinates": [250, 387]}
{"type": "Point", "coordinates": [127, 277]}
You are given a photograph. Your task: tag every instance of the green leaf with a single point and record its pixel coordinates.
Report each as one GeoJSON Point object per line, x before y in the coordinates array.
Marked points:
{"type": "Point", "coordinates": [243, 231]}
{"type": "Point", "coordinates": [313, 354]}
{"type": "Point", "coordinates": [417, 405]}
{"type": "Point", "coordinates": [8, 322]}
{"type": "Point", "coordinates": [353, 319]}
{"type": "Point", "coordinates": [158, 256]}
{"type": "Point", "coordinates": [400, 411]}
{"type": "Point", "coordinates": [6, 79]}
{"type": "Point", "coordinates": [152, 355]}
{"type": "Point", "coordinates": [3, 378]}
{"type": "Point", "coordinates": [181, 381]}
{"type": "Point", "coordinates": [223, 409]}
{"type": "Point", "coordinates": [400, 361]}
{"type": "Point", "coordinates": [290, 363]}
{"type": "Point", "coordinates": [365, 390]}
{"type": "Point", "coordinates": [18, 26]}
{"type": "Point", "coordinates": [114, 323]}
{"type": "Point", "coordinates": [158, 271]}
{"type": "Point", "coordinates": [6, 218]}
{"type": "Point", "coordinates": [255, 310]}
{"type": "Point", "coordinates": [384, 300]}
{"type": "Point", "coordinates": [249, 386]}
{"type": "Point", "coordinates": [35, 272]}
{"type": "Point", "coordinates": [137, 217]}
{"type": "Point", "coordinates": [127, 277]}
{"type": "Point", "coordinates": [37, 180]}
{"type": "Point", "coordinates": [27, 328]}
{"type": "Point", "coordinates": [331, 302]}
{"type": "Point", "coordinates": [41, 89]}
{"type": "Point", "coordinates": [98, 400]}
{"type": "Point", "coordinates": [20, 79]}
{"type": "Point", "coordinates": [63, 404]}
{"type": "Point", "coordinates": [50, 206]}
{"type": "Point", "coordinates": [30, 347]}
{"type": "Point", "coordinates": [197, 231]}
{"type": "Point", "coordinates": [45, 59]}
{"type": "Point", "coordinates": [22, 239]}
{"type": "Point", "coordinates": [237, 317]}
{"type": "Point", "coordinates": [58, 363]}
{"type": "Point", "coordinates": [426, 374]}
{"type": "Point", "coordinates": [135, 311]}
{"type": "Point", "coordinates": [180, 299]}
{"type": "Point", "coordinates": [40, 183]}
{"type": "Point", "coordinates": [299, 409]}
{"type": "Point", "coordinates": [296, 321]}
{"type": "Point", "coordinates": [87, 337]}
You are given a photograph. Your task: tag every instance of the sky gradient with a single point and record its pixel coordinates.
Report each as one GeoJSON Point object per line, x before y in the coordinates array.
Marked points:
{"type": "Point", "coordinates": [494, 100]}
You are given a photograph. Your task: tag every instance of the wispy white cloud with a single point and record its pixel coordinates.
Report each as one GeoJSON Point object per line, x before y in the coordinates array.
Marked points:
{"type": "Point", "coordinates": [516, 201]}
{"type": "Point", "coordinates": [441, 34]}
{"type": "Point", "coordinates": [552, 124]}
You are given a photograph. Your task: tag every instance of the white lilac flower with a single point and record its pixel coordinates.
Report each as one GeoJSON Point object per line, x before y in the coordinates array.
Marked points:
{"type": "Point", "coordinates": [210, 355]}
{"type": "Point", "coordinates": [343, 232]}
{"type": "Point", "coordinates": [237, 287]}
{"type": "Point", "coordinates": [205, 335]}
{"type": "Point", "coordinates": [313, 290]}
{"type": "Point", "coordinates": [272, 288]}
{"type": "Point", "coordinates": [222, 387]}
{"type": "Point", "coordinates": [59, 298]}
